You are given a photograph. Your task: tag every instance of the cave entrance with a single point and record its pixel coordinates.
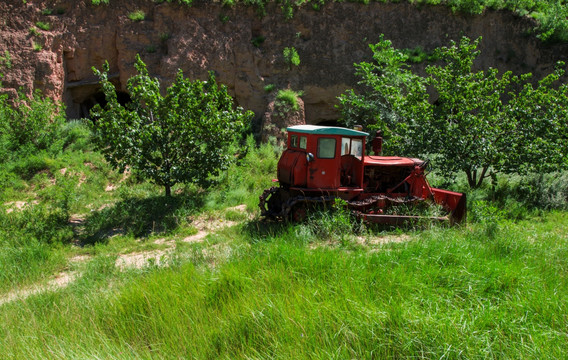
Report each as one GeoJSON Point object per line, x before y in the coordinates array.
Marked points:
{"type": "Point", "coordinates": [98, 98]}
{"type": "Point", "coordinates": [81, 96]}
{"type": "Point", "coordinates": [80, 101]}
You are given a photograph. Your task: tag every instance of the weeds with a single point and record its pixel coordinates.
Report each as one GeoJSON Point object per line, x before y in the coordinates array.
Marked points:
{"type": "Point", "coordinates": [269, 88]}
{"type": "Point", "coordinates": [43, 25]}
{"type": "Point", "coordinates": [137, 15]}
{"type": "Point", "coordinates": [288, 98]}
{"type": "Point", "coordinates": [291, 57]}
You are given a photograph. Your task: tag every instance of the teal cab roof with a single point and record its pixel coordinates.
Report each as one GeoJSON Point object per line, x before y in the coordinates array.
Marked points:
{"type": "Point", "coordinates": [325, 130]}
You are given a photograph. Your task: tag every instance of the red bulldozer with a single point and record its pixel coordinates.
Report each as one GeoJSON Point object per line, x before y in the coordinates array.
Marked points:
{"type": "Point", "coordinates": [323, 163]}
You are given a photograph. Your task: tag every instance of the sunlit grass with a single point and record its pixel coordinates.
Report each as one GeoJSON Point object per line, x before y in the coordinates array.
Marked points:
{"type": "Point", "coordinates": [456, 292]}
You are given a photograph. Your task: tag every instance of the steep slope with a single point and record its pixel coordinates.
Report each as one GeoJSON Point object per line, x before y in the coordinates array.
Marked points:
{"type": "Point", "coordinates": [245, 50]}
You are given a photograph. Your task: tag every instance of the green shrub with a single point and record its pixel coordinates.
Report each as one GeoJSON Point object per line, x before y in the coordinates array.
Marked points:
{"type": "Point", "coordinates": [33, 31]}
{"type": "Point", "coordinates": [333, 222]}
{"type": "Point", "coordinates": [291, 56]}
{"type": "Point", "coordinates": [5, 61]}
{"type": "Point", "coordinates": [137, 15]}
{"type": "Point", "coordinates": [28, 166]}
{"type": "Point", "coordinates": [224, 18]}
{"type": "Point", "coordinates": [418, 55]}
{"type": "Point", "coordinates": [33, 124]}
{"type": "Point", "coordinates": [99, 2]}
{"type": "Point", "coordinates": [269, 88]}
{"type": "Point", "coordinates": [76, 135]}
{"type": "Point", "coordinates": [244, 181]}
{"type": "Point", "coordinates": [44, 26]}
{"type": "Point", "coordinates": [553, 22]}
{"type": "Point", "coordinates": [288, 98]}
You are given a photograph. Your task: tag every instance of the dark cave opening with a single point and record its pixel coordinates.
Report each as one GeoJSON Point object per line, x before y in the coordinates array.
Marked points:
{"type": "Point", "coordinates": [98, 98]}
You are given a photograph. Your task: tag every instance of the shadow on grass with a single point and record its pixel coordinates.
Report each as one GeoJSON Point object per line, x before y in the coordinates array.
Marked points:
{"type": "Point", "coordinates": [262, 230]}
{"type": "Point", "coordinates": [139, 217]}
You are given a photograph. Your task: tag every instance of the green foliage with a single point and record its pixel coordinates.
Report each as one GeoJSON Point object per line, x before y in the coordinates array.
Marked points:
{"type": "Point", "coordinates": [288, 98]}
{"type": "Point", "coordinates": [553, 22]}
{"type": "Point", "coordinates": [99, 2]}
{"type": "Point", "coordinates": [43, 25]}
{"type": "Point", "coordinates": [185, 136]}
{"type": "Point", "coordinates": [269, 88]}
{"type": "Point", "coordinates": [245, 179]}
{"type": "Point", "coordinates": [139, 215]}
{"type": "Point", "coordinates": [224, 18]}
{"type": "Point", "coordinates": [6, 61]}
{"type": "Point", "coordinates": [418, 55]}
{"type": "Point", "coordinates": [334, 223]}
{"type": "Point", "coordinates": [291, 56]}
{"type": "Point", "coordinates": [33, 31]}
{"type": "Point", "coordinates": [37, 46]}
{"type": "Point", "coordinates": [29, 125]}
{"type": "Point", "coordinates": [481, 122]}
{"type": "Point", "coordinates": [137, 15]}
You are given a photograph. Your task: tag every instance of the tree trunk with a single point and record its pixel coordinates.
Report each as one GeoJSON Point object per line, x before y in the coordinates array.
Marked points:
{"type": "Point", "coordinates": [473, 181]}
{"type": "Point", "coordinates": [168, 190]}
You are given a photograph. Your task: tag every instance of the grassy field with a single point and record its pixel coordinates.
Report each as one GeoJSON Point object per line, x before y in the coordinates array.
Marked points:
{"type": "Point", "coordinates": [221, 283]}
{"type": "Point", "coordinates": [481, 292]}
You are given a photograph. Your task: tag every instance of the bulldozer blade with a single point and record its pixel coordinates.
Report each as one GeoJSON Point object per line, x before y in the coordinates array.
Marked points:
{"type": "Point", "coordinates": [455, 203]}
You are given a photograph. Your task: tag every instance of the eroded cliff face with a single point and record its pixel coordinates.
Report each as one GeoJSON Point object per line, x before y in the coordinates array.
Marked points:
{"type": "Point", "coordinates": [244, 50]}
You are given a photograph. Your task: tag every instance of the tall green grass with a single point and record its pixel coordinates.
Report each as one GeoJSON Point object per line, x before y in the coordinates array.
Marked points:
{"type": "Point", "coordinates": [471, 293]}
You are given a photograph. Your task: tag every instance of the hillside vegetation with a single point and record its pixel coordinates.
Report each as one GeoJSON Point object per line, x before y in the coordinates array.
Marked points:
{"type": "Point", "coordinates": [326, 288]}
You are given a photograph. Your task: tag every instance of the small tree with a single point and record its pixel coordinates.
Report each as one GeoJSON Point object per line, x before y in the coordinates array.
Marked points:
{"type": "Point", "coordinates": [476, 121]}
{"type": "Point", "coordinates": [184, 136]}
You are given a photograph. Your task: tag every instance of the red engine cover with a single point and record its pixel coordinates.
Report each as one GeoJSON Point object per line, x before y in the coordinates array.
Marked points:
{"type": "Point", "coordinates": [292, 168]}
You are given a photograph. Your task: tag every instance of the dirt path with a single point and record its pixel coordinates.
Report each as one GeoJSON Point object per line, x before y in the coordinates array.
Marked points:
{"type": "Point", "coordinates": [60, 281]}
{"type": "Point", "coordinates": [133, 260]}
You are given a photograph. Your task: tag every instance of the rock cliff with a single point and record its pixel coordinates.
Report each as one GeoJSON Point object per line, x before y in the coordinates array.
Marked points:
{"type": "Point", "coordinates": [244, 49]}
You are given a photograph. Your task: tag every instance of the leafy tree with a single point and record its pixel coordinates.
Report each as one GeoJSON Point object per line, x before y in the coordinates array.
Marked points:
{"type": "Point", "coordinates": [476, 122]}
{"type": "Point", "coordinates": [184, 136]}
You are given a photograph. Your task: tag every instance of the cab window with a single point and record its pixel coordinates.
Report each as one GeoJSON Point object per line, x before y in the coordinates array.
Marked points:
{"type": "Point", "coordinates": [345, 144]}
{"type": "Point", "coordinates": [326, 148]}
{"type": "Point", "coordinates": [294, 141]}
{"type": "Point", "coordinates": [303, 142]}
{"type": "Point", "coordinates": [357, 148]}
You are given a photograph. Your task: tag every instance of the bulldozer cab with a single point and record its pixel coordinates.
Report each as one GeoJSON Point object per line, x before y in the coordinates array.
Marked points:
{"type": "Point", "coordinates": [329, 157]}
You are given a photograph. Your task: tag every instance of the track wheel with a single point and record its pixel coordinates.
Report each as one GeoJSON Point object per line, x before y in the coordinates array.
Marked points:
{"type": "Point", "coordinates": [299, 213]}
{"type": "Point", "coordinates": [270, 202]}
